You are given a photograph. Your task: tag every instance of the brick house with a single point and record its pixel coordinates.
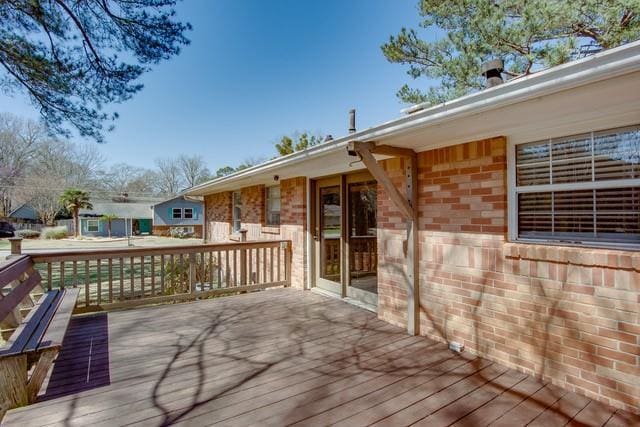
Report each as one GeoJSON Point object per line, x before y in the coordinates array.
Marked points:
{"type": "Point", "coordinates": [507, 221]}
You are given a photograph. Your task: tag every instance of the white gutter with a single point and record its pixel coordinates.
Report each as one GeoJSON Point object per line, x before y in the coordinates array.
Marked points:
{"type": "Point", "coordinates": [607, 64]}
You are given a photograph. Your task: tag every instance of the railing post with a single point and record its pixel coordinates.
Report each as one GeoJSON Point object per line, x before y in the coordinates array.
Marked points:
{"type": "Point", "coordinates": [16, 245]}
{"type": "Point", "coordinates": [287, 262]}
{"type": "Point", "coordinates": [243, 259]}
{"type": "Point", "coordinates": [192, 272]}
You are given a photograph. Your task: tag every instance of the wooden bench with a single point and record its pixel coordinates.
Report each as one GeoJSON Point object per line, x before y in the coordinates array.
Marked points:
{"type": "Point", "coordinates": [26, 357]}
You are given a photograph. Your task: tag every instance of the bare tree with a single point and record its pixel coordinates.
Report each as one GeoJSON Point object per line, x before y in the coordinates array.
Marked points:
{"type": "Point", "coordinates": [123, 178]}
{"type": "Point", "coordinates": [169, 176]}
{"type": "Point", "coordinates": [43, 193]}
{"type": "Point", "coordinates": [19, 139]}
{"type": "Point", "coordinates": [194, 169]}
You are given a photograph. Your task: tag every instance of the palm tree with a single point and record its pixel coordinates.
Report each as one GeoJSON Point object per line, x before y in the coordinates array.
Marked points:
{"type": "Point", "coordinates": [75, 199]}
{"type": "Point", "coordinates": [109, 218]}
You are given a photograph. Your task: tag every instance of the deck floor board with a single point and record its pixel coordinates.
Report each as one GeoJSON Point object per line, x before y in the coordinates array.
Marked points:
{"type": "Point", "coordinates": [283, 357]}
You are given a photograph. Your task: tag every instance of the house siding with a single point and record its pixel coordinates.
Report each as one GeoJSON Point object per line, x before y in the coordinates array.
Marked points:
{"type": "Point", "coordinates": [162, 213]}
{"type": "Point", "coordinates": [566, 315]}
{"type": "Point", "coordinates": [118, 228]}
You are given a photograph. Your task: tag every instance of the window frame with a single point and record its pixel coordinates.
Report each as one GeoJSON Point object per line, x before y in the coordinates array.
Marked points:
{"type": "Point", "coordinates": [97, 224]}
{"type": "Point", "coordinates": [173, 213]}
{"type": "Point", "coordinates": [184, 213]}
{"type": "Point", "coordinates": [514, 190]}
{"type": "Point", "coordinates": [236, 202]}
{"type": "Point", "coordinates": [267, 222]}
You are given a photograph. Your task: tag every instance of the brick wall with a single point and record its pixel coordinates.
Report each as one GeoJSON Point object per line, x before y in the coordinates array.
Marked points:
{"type": "Point", "coordinates": [292, 227]}
{"type": "Point", "coordinates": [567, 315]}
{"type": "Point", "coordinates": [253, 211]}
{"type": "Point", "coordinates": [218, 216]}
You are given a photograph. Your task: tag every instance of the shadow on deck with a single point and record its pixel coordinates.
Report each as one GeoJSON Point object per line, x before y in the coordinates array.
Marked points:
{"type": "Point", "coordinates": [283, 357]}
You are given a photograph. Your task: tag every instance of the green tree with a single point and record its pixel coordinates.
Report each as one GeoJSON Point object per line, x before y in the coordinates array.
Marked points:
{"type": "Point", "coordinates": [224, 171]}
{"type": "Point", "coordinates": [74, 57]}
{"type": "Point", "coordinates": [109, 219]}
{"type": "Point", "coordinates": [527, 35]}
{"type": "Point", "coordinates": [289, 145]}
{"type": "Point", "coordinates": [75, 199]}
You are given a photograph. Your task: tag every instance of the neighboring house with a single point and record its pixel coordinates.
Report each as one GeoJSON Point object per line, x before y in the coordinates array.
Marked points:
{"type": "Point", "coordinates": [178, 215]}
{"type": "Point", "coordinates": [519, 239]}
{"type": "Point", "coordinates": [25, 213]}
{"type": "Point", "coordinates": [133, 218]}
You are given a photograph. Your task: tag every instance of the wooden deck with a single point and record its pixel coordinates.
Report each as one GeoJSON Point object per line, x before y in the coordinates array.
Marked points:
{"type": "Point", "coordinates": [283, 357]}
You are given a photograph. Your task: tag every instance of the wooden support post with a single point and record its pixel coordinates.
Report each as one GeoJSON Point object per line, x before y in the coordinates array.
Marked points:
{"type": "Point", "coordinates": [287, 263]}
{"type": "Point", "coordinates": [243, 259]}
{"type": "Point", "coordinates": [192, 273]}
{"type": "Point", "coordinates": [13, 383]}
{"type": "Point", "coordinates": [413, 260]}
{"type": "Point", "coordinates": [408, 206]}
{"type": "Point", "coordinates": [16, 245]}
{"type": "Point", "coordinates": [40, 372]}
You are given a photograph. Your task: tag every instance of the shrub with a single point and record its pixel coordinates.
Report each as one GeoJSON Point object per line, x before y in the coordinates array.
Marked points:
{"type": "Point", "coordinates": [59, 232]}
{"type": "Point", "coordinates": [179, 233]}
{"type": "Point", "coordinates": [28, 234]}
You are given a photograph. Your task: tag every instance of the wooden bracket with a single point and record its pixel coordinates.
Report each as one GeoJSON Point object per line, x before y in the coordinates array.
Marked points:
{"type": "Point", "coordinates": [364, 150]}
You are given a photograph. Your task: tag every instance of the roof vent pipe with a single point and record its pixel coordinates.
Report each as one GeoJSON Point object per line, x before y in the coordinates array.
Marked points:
{"type": "Point", "coordinates": [352, 121]}
{"type": "Point", "coordinates": [328, 138]}
{"type": "Point", "coordinates": [492, 71]}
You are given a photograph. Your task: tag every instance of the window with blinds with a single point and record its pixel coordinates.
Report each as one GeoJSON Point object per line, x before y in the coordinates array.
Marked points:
{"type": "Point", "coordinates": [272, 206]}
{"type": "Point", "coordinates": [580, 189]}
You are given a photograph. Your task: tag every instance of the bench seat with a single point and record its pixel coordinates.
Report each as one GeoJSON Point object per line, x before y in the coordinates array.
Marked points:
{"type": "Point", "coordinates": [35, 342]}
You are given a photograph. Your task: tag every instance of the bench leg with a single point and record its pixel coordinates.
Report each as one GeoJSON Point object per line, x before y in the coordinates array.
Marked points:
{"type": "Point", "coordinates": [40, 373]}
{"type": "Point", "coordinates": [13, 383]}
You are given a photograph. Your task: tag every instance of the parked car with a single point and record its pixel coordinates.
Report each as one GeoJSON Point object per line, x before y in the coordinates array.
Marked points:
{"type": "Point", "coordinates": [6, 229]}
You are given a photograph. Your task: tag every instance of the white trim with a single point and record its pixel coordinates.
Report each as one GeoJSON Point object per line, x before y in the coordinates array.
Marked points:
{"type": "Point", "coordinates": [512, 197]}
{"type": "Point", "coordinates": [97, 221]}
{"type": "Point", "coordinates": [575, 186]}
{"type": "Point", "coordinates": [184, 213]}
{"type": "Point", "coordinates": [173, 213]}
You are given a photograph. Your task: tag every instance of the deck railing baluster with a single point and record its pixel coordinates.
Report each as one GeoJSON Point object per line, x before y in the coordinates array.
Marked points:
{"type": "Point", "coordinates": [61, 275]}
{"type": "Point", "coordinates": [110, 267]}
{"type": "Point", "coordinates": [153, 275]}
{"type": "Point", "coordinates": [99, 281]}
{"type": "Point", "coordinates": [185, 272]}
{"type": "Point", "coordinates": [74, 279]}
{"type": "Point", "coordinates": [87, 280]}
{"type": "Point", "coordinates": [142, 276]}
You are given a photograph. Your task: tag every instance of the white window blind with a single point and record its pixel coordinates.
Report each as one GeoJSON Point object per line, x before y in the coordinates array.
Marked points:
{"type": "Point", "coordinates": [580, 189]}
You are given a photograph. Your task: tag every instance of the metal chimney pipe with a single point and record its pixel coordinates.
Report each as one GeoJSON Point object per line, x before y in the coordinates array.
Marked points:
{"type": "Point", "coordinates": [352, 121]}
{"type": "Point", "coordinates": [492, 71]}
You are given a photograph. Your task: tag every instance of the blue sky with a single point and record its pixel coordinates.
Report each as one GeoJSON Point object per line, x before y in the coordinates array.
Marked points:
{"type": "Point", "coordinates": [256, 70]}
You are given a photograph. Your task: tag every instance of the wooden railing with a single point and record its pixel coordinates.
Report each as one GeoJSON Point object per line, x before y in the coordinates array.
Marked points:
{"type": "Point", "coordinates": [135, 276]}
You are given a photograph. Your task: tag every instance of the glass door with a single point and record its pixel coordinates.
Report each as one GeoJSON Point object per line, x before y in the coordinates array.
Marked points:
{"type": "Point", "coordinates": [362, 240]}
{"type": "Point", "coordinates": [329, 262]}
